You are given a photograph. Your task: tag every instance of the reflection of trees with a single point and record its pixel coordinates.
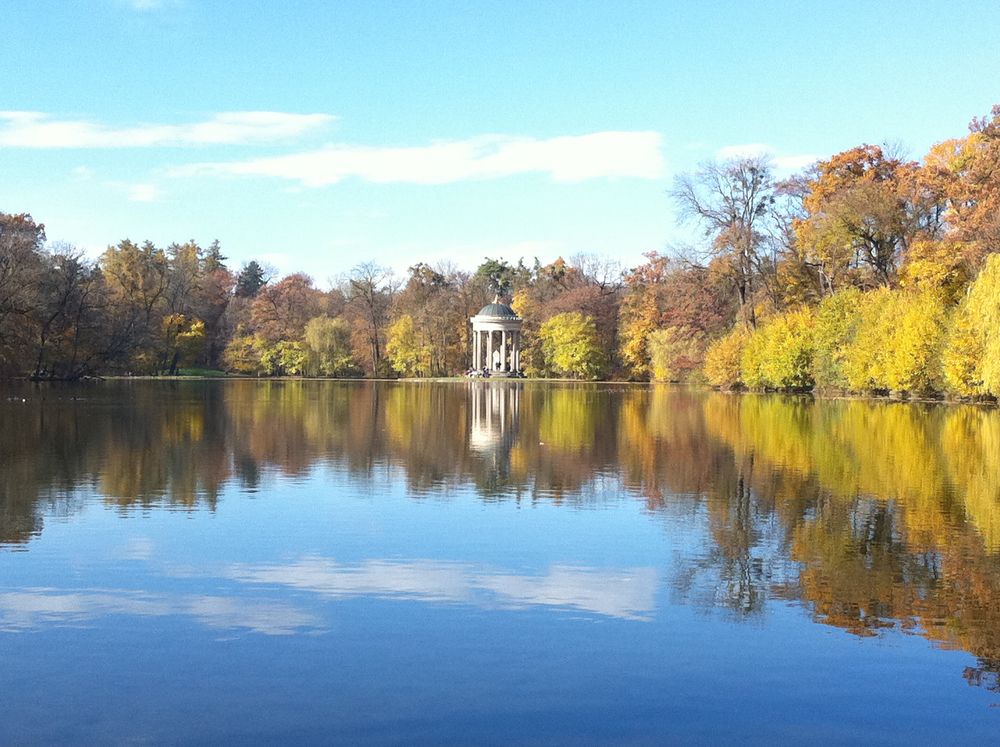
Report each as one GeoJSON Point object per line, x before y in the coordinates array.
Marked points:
{"type": "Point", "coordinates": [891, 511]}
{"type": "Point", "coordinates": [876, 515]}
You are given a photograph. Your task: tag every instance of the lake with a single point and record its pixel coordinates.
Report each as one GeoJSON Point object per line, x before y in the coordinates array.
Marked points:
{"type": "Point", "coordinates": [490, 562]}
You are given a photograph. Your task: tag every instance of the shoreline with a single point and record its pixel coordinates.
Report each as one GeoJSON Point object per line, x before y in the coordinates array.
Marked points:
{"type": "Point", "coordinates": [815, 396]}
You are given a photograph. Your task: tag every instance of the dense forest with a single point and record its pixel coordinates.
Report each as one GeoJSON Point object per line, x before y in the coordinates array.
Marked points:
{"type": "Point", "coordinates": [867, 273]}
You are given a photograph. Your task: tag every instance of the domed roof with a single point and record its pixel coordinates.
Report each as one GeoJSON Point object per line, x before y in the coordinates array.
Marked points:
{"type": "Point", "coordinates": [498, 310]}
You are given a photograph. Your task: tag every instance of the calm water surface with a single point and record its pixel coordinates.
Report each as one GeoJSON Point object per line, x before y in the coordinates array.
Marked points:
{"type": "Point", "coordinates": [493, 563]}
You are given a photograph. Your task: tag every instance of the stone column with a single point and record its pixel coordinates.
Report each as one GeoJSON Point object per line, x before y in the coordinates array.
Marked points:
{"type": "Point", "coordinates": [516, 355]}
{"type": "Point", "coordinates": [489, 350]}
{"type": "Point", "coordinates": [503, 350]}
{"type": "Point", "coordinates": [475, 348]}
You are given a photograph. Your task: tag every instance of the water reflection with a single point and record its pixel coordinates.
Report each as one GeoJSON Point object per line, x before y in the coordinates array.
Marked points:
{"type": "Point", "coordinates": [627, 594]}
{"type": "Point", "coordinates": [871, 515]}
{"type": "Point", "coordinates": [30, 609]}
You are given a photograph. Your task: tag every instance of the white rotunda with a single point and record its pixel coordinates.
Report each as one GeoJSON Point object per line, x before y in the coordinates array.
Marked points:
{"type": "Point", "coordinates": [496, 339]}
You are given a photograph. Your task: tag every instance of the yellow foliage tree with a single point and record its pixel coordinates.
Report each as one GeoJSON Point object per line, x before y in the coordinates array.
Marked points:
{"type": "Point", "coordinates": [243, 354]}
{"type": "Point", "coordinates": [183, 339]}
{"type": "Point", "coordinates": [936, 265]}
{"type": "Point", "coordinates": [779, 354]}
{"type": "Point", "coordinates": [913, 360]}
{"type": "Point", "coordinates": [408, 355]}
{"type": "Point", "coordinates": [971, 359]}
{"type": "Point", "coordinates": [837, 319]}
{"type": "Point", "coordinates": [328, 347]}
{"type": "Point", "coordinates": [571, 347]}
{"type": "Point", "coordinates": [723, 359]}
{"type": "Point", "coordinates": [865, 355]}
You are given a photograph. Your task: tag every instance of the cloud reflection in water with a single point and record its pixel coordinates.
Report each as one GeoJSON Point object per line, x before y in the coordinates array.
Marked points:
{"type": "Point", "coordinates": [626, 593]}
{"type": "Point", "coordinates": [33, 608]}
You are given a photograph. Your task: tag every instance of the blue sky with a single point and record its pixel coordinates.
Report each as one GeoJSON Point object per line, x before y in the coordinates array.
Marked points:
{"type": "Point", "coordinates": [315, 135]}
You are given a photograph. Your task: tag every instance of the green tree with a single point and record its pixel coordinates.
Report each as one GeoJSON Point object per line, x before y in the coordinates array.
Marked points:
{"type": "Point", "coordinates": [328, 347]}
{"type": "Point", "coordinates": [250, 280]}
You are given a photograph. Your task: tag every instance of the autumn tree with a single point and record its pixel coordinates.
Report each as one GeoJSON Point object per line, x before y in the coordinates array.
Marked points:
{"type": "Point", "coordinates": [407, 352]}
{"type": "Point", "coordinates": [571, 346]}
{"type": "Point", "coordinates": [68, 315]}
{"type": "Point", "coordinates": [586, 284]}
{"type": "Point", "coordinates": [971, 356]}
{"type": "Point", "coordinates": [183, 340]}
{"type": "Point", "coordinates": [432, 298]}
{"type": "Point", "coordinates": [963, 173]}
{"type": "Point", "coordinates": [137, 278]}
{"type": "Point", "coordinates": [21, 241]}
{"type": "Point", "coordinates": [863, 209]}
{"type": "Point", "coordinates": [369, 291]}
{"type": "Point", "coordinates": [281, 310]}
{"type": "Point", "coordinates": [662, 293]}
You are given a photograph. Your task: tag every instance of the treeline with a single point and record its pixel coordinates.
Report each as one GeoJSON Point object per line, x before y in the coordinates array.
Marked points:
{"type": "Point", "coordinates": [868, 273]}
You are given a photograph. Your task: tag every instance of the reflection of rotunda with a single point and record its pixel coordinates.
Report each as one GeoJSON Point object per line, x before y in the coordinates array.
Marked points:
{"type": "Point", "coordinates": [494, 422]}
{"type": "Point", "coordinates": [496, 339]}
{"type": "Point", "coordinates": [495, 416]}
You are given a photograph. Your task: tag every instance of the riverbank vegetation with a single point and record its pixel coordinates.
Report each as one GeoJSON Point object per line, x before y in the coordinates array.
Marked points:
{"type": "Point", "coordinates": [866, 273]}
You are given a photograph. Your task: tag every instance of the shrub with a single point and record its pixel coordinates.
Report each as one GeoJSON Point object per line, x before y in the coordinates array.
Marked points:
{"type": "Point", "coordinates": [971, 359]}
{"type": "Point", "coordinates": [722, 360]}
{"type": "Point", "coordinates": [837, 319]}
{"type": "Point", "coordinates": [779, 354]}
{"type": "Point", "coordinates": [913, 358]}
{"type": "Point", "coordinates": [865, 356]}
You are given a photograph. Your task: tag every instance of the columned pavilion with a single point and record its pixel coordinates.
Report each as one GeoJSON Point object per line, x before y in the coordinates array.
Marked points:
{"type": "Point", "coordinates": [496, 339]}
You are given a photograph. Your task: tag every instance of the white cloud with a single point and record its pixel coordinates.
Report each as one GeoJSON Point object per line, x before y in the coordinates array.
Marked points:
{"type": "Point", "coordinates": [21, 129]}
{"type": "Point", "coordinates": [783, 162]}
{"type": "Point", "coordinates": [143, 193]}
{"type": "Point", "coordinates": [794, 163]}
{"type": "Point", "coordinates": [147, 5]}
{"type": "Point", "coordinates": [571, 158]}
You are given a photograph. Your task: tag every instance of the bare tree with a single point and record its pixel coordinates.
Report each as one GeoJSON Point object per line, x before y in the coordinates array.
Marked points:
{"type": "Point", "coordinates": [369, 290]}
{"type": "Point", "coordinates": [21, 241]}
{"type": "Point", "coordinates": [733, 201]}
